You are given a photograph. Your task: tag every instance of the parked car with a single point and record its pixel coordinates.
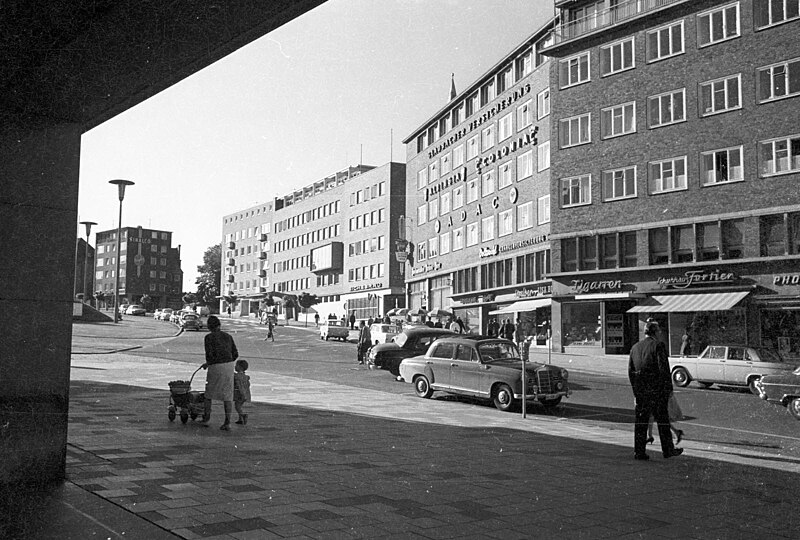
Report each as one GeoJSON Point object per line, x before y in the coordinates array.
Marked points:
{"type": "Point", "coordinates": [333, 328]}
{"type": "Point", "coordinates": [190, 320]}
{"type": "Point", "coordinates": [484, 367]}
{"type": "Point", "coordinates": [382, 333]}
{"type": "Point", "coordinates": [783, 389]}
{"type": "Point", "coordinates": [412, 341]}
{"type": "Point", "coordinates": [157, 314]}
{"type": "Point", "coordinates": [735, 365]}
{"type": "Point", "coordinates": [135, 309]}
{"type": "Point", "coordinates": [166, 313]}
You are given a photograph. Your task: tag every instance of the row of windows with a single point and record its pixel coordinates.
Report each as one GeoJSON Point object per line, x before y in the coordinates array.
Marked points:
{"type": "Point", "coordinates": [247, 250]}
{"type": "Point", "coordinates": [292, 264]}
{"type": "Point", "coordinates": [518, 270]}
{"type": "Point", "coordinates": [507, 76]}
{"type": "Point", "coordinates": [484, 230]}
{"type": "Point", "coordinates": [368, 245]}
{"type": "Point", "coordinates": [247, 284]}
{"type": "Point", "coordinates": [308, 238]}
{"type": "Point", "coordinates": [111, 261]}
{"type": "Point", "coordinates": [713, 26]}
{"type": "Point", "coordinates": [249, 232]}
{"type": "Point", "coordinates": [722, 166]}
{"type": "Point", "coordinates": [247, 214]}
{"type": "Point", "coordinates": [293, 285]}
{"type": "Point", "coordinates": [484, 141]}
{"type": "Point", "coordinates": [368, 193]}
{"type": "Point", "coordinates": [361, 273]}
{"type": "Point", "coordinates": [366, 220]}
{"type": "Point", "coordinates": [326, 280]}
{"type": "Point", "coordinates": [311, 215]}
{"type": "Point", "coordinates": [485, 185]}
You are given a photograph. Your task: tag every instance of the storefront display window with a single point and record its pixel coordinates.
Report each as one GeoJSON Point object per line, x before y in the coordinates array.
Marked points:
{"type": "Point", "coordinates": [707, 328]}
{"type": "Point", "coordinates": [780, 331]}
{"type": "Point", "coordinates": [581, 324]}
{"type": "Point", "coordinates": [470, 317]}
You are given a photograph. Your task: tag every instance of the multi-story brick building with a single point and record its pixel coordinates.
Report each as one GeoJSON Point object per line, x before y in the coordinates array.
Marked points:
{"type": "Point", "coordinates": [84, 262]}
{"type": "Point", "coordinates": [478, 196]}
{"type": "Point", "coordinates": [149, 265]}
{"type": "Point", "coordinates": [333, 238]}
{"type": "Point", "coordinates": [675, 179]}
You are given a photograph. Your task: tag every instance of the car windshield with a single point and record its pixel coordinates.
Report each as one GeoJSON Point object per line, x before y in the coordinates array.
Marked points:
{"type": "Point", "coordinates": [498, 350]}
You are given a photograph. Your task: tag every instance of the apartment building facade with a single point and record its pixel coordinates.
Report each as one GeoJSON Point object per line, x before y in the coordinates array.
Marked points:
{"type": "Point", "coordinates": [478, 197]}
{"type": "Point", "coordinates": [148, 265]}
{"type": "Point", "coordinates": [676, 170]}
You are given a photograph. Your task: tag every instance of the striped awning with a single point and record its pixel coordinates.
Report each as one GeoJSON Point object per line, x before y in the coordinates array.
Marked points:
{"type": "Point", "coordinates": [522, 305]}
{"type": "Point", "coordinates": [683, 303]}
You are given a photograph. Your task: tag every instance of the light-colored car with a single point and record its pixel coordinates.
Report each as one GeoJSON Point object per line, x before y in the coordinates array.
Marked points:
{"type": "Point", "coordinates": [382, 333]}
{"type": "Point", "coordinates": [735, 365]}
{"type": "Point", "coordinates": [135, 309]}
{"type": "Point", "coordinates": [157, 314]}
{"type": "Point", "coordinates": [484, 367]}
{"type": "Point", "coordinates": [333, 328]}
{"type": "Point", "coordinates": [166, 313]}
{"type": "Point", "coordinates": [122, 309]}
{"type": "Point", "coordinates": [783, 389]}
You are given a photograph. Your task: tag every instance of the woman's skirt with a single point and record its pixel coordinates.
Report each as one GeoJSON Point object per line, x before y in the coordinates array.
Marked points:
{"type": "Point", "coordinates": [219, 381]}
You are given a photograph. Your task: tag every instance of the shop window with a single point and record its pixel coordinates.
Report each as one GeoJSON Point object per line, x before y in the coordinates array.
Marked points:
{"type": "Point", "coordinates": [581, 324]}
{"type": "Point", "coordinates": [588, 252]}
{"type": "Point", "coordinates": [733, 239]}
{"type": "Point", "coordinates": [772, 234]}
{"type": "Point", "coordinates": [569, 255]}
{"type": "Point", "coordinates": [608, 251]}
{"type": "Point", "coordinates": [794, 234]}
{"type": "Point", "coordinates": [682, 244]}
{"type": "Point", "coordinates": [659, 246]}
{"type": "Point", "coordinates": [708, 241]}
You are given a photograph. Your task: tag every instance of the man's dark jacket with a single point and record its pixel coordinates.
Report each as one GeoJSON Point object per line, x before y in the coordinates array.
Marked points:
{"type": "Point", "coordinates": [648, 369]}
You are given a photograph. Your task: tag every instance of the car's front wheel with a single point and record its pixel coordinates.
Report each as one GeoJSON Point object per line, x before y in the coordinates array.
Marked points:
{"type": "Point", "coordinates": [751, 384]}
{"type": "Point", "coordinates": [794, 408]}
{"type": "Point", "coordinates": [422, 387]}
{"type": "Point", "coordinates": [504, 398]}
{"type": "Point", "coordinates": [681, 377]}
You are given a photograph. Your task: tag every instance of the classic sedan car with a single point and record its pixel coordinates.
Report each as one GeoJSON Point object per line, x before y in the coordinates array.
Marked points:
{"type": "Point", "coordinates": [135, 309]}
{"type": "Point", "coordinates": [334, 328]}
{"type": "Point", "coordinates": [382, 333]}
{"type": "Point", "coordinates": [412, 341]}
{"type": "Point", "coordinates": [783, 389]}
{"type": "Point", "coordinates": [166, 313]}
{"type": "Point", "coordinates": [484, 367]}
{"type": "Point", "coordinates": [190, 321]}
{"type": "Point", "coordinates": [735, 365]}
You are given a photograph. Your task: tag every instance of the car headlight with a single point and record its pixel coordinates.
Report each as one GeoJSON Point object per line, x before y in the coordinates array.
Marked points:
{"type": "Point", "coordinates": [564, 373]}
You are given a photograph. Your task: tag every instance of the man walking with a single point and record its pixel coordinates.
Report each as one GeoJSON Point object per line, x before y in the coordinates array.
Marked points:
{"type": "Point", "coordinates": [648, 371]}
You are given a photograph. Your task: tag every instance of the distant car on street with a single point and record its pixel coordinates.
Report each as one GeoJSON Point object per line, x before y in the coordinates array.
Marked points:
{"type": "Point", "coordinates": [122, 309]}
{"type": "Point", "coordinates": [157, 314]}
{"type": "Point", "coordinates": [735, 365]}
{"type": "Point", "coordinates": [484, 367]}
{"type": "Point", "coordinates": [166, 313]}
{"type": "Point", "coordinates": [333, 328]}
{"type": "Point", "coordinates": [135, 309]}
{"type": "Point", "coordinates": [382, 333]}
{"type": "Point", "coordinates": [412, 341]}
{"type": "Point", "coordinates": [190, 320]}
{"type": "Point", "coordinates": [783, 389]}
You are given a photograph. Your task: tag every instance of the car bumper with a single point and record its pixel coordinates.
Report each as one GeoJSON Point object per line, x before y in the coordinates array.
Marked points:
{"type": "Point", "coordinates": [543, 396]}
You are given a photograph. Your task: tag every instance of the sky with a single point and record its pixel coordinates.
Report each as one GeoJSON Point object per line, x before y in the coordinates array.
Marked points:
{"type": "Point", "coordinates": [342, 84]}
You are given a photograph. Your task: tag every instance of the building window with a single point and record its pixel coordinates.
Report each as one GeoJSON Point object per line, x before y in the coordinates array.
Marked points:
{"type": "Point", "coordinates": [473, 147]}
{"type": "Point", "coordinates": [525, 216]}
{"type": "Point", "coordinates": [667, 175]}
{"type": "Point", "coordinates": [422, 254]}
{"type": "Point", "coordinates": [472, 190]}
{"type": "Point", "coordinates": [779, 80]}
{"type": "Point", "coordinates": [458, 238]}
{"type": "Point", "coordinates": [574, 70]}
{"type": "Point", "coordinates": [587, 248]}
{"type": "Point", "coordinates": [433, 209]}
{"type": "Point", "coordinates": [488, 137]}
{"type": "Point", "coordinates": [569, 255]}
{"type": "Point", "coordinates": [619, 184]}
{"type": "Point", "coordinates": [608, 251]}
{"type": "Point", "coordinates": [458, 156]}
{"type": "Point", "coordinates": [718, 25]}
{"type": "Point", "coordinates": [665, 42]}
{"type": "Point", "coordinates": [458, 197]}
{"type": "Point", "coordinates": [543, 161]}
{"type": "Point", "coordinates": [543, 43]}
{"type": "Point", "coordinates": [616, 57]}
{"type": "Point", "coordinates": [505, 127]}
{"type": "Point", "coordinates": [445, 168]}
{"type": "Point", "coordinates": [618, 120]}
{"type": "Point", "coordinates": [433, 247]}
{"type": "Point", "coordinates": [444, 243]}
{"type": "Point", "coordinates": [576, 191]}
{"type": "Point", "coordinates": [505, 80]}
{"type": "Point", "coordinates": [769, 12]}
{"type": "Point", "coordinates": [524, 116]}
{"type": "Point", "coordinates": [543, 103]}
{"type": "Point", "coordinates": [444, 205]}
{"type": "Point", "coordinates": [472, 234]}
{"type": "Point", "coordinates": [543, 206]}
{"type": "Point", "coordinates": [668, 108]}
{"type": "Point", "coordinates": [524, 65]}
{"type": "Point", "coordinates": [772, 235]}
{"type": "Point", "coordinates": [659, 245]}
{"type": "Point", "coordinates": [505, 223]}
{"type": "Point", "coordinates": [708, 241]}
{"type": "Point", "coordinates": [487, 229]}
{"type": "Point", "coordinates": [682, 243]}
{"type": "Point", "coordinates": [733, 239]}
{"type": "Point", "coordinates": [487, 93]}
{"type": "Point", "coordinates": [721, 166]}
{"type": "Point", "coordinates": [720, 95]}
{"type": "Point", "coordinates": [433, 172]}
{"type": "Point", "coordinates": [487, 183]}
{"type": "Point", "coordinates": [422, 215]}
{"type": "Point", "coordinates": [472, 105]}
{"type": "Point", "coordinates": [422, 178]}
{"type": "Point", "coordinates": [627, 243]}
{"type": "Point", "coordinates": [780, 156]}
{"type": "Point", "coordinates": [575, 130]}
{"type": "Point", "coordinates": [504, 174]}
{"type": "Point", "coordinates": [525, 165]}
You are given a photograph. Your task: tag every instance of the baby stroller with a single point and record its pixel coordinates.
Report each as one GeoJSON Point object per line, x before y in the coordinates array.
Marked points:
{"type": "Point", "coordinates": [181, 396]}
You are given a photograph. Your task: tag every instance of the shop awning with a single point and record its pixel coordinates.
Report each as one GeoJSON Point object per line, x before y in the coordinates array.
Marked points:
{"type": "Point", "coordinates": [522, 305]}
{"type": "Point", "coordinates": [682, 303]}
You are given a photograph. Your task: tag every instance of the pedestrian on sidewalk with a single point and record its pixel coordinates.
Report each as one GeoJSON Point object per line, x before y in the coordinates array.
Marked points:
{"type": "Point", "coordinates": [241, 389]}
{"type": "Point", "coordinates": [648, 372]}
{"type": "Point", "coordinates": [220, 355]}
{"type": "Point", "coordinates": [364, 342]}
{"type": "Point", "coordinates": [270, 330]}
{"type": "Point", "coordinates": [316, 319]}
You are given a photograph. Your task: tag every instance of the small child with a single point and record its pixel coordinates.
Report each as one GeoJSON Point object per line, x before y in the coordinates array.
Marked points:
{"type": "Point", "coordinates": [241, 389]}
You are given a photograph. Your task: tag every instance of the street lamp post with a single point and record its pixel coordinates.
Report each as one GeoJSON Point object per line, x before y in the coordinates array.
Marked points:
{"type": "Point", "coordinates": [121, 185]}
{"type": "Point", "coordinates": [88, 225]}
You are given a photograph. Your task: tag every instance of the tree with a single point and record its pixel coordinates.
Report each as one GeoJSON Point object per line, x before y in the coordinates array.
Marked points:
{"type": "Point", "coordinates": [189, 299]}
{"type": "Point", "coordinates": [307, 300]}
{"type": "Point", "coordinates": [209, 280]}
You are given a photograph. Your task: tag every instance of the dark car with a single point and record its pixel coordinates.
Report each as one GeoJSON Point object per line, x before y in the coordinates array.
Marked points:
{"type": "Point", "coordinates": [484, 367]}
{"type": "Point", "coordinates": [783, 389]}
{"type": "Point", "coordinates": [410, 342]}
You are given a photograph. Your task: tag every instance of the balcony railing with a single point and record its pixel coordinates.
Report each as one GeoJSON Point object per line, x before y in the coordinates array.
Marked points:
{"type": "Point", "coordinates": [623, 11]}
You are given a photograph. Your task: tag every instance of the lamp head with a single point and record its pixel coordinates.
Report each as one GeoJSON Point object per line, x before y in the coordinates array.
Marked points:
{"type": "Point", "coordinates": [120, 183]}
{"type": "Point", "coordinates": [88, 225]}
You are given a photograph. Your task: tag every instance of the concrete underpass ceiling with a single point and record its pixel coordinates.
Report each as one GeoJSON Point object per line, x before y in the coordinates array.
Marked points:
{"type": "Point", "coordinates": [84, 61]}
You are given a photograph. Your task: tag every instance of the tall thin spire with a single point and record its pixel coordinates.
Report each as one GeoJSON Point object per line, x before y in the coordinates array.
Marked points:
{"type": "Point", "coordinates": [453, 92]}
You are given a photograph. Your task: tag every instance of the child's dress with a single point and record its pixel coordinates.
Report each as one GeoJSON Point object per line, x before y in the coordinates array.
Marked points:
{"type": "Point", "coordinates": [241, 387]}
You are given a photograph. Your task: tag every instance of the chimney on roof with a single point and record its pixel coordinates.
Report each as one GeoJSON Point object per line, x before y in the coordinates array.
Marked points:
{"type": "Point", "coordinates": [453, 92]}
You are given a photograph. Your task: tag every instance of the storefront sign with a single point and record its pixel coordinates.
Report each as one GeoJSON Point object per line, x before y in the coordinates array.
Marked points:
{"type": "Point", "coordinates": [696, 277]}
{"type": "Point", "coordinates": [366, 287]}
{"type": "Point", "coordinates": [424, 268]}
{"type": "Point", "coordinates": [786, 279]}
{"type": "Point", "coordinates": [541, 290]}
{"type": "Point", "coordinates": [458, 176]}
{"type": "Point", "coordinates": [580, 286]}
{"type": "Point", "coordinates": [532, 241]}
{"type": "Point", "coordinates": [489, 251]}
